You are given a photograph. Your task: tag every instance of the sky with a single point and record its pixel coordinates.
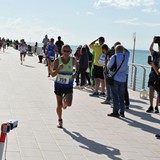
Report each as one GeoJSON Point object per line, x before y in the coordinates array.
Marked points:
{"type": "Point", "coordinates": [81, 21]}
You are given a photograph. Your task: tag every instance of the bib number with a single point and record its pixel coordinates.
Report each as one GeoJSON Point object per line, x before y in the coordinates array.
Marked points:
{"type": "Point", "coordinates": [63, 79]}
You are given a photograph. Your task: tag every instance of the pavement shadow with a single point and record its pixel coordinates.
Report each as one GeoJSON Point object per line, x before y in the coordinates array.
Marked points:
{"type": "Point", "coordinates": [137, 101]}
{"type": "Point", "coordinates": [29, 66]}
{"type": "Point", "coordinates": [142, 126]}
{"type": "Point", "coordinates": [93, 146]}
{"type": "Point", "coordinates": [144, 116]}
{"type": "Point", "coordinates": [136, 107]}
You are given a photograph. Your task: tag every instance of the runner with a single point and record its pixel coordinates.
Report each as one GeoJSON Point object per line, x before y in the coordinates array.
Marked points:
{"type": "Point", "coordinates": [23, 50]}
{"type": "Point", "coordinates": [4, 44]}
{"type": "Point", "coordinates": [1, 43]}
{"type": "Point", "coordinates": [51, 50]}
{"type": "Point", "coordinates": [63, 70]}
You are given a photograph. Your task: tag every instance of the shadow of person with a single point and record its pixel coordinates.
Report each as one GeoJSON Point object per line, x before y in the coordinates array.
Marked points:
{"type": "Point", "coordinates": [93, 146]}
{"type": "Point", "coordinates": [29, 66]}
{"type": "Point", "coordinates": [142, 126]}
{"type": "Point", "coordinates": [144, 116]}
{"type": "Point", "coordinates": [136, 106]}
{"type": "Point", "coordinates": [137, 101]}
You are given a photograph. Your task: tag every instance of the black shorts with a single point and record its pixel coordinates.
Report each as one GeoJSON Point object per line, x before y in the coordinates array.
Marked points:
{"type": "Point", "coordinates": [63, 91]}
{"type": "Point", "coordinates": [152, 79]}
{"type": "Point", "coordinates": [98, 72]}
{"type": "Point", "coordinates": [23, 53]}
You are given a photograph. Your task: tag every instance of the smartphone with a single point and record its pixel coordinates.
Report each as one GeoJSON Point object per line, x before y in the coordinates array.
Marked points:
{"type": "Point", "coordinates": [149, 59]}
{"type": "Point", "coordinates": [157, 39]}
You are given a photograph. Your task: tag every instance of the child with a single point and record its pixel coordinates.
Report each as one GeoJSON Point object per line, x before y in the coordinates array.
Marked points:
{"type": "Point", "coordinates": [63, 70]}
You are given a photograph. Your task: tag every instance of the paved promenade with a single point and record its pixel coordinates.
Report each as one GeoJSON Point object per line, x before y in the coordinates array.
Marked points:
{"type": "Point", "coordinates": [26, 94]}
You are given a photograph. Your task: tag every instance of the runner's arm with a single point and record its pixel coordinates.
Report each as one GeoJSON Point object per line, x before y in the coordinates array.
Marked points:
{"type": "Point", "coordinates": [151, 47]}
{"type": "Point", "coordinates": [94, 42]}
{"type": "Point", "coordinates": [56, 68]}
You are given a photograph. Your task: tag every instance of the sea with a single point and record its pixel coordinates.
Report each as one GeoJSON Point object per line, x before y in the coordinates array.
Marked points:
{"type": "Point", "coordinates": [140, 61]}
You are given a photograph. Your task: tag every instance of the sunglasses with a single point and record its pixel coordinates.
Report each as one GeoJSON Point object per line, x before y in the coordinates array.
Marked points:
{"type": "Point", "coordinates": [66, 51]}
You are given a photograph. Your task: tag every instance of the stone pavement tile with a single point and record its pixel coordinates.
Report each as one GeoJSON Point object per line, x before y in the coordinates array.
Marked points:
{"type": "Point", "coordinates": [32, 158]}
{"type": "Point", "coordinates": [23, 131]}
{"type": "Point", "coordinates": [49, 147]}
{"type": "Point", "coordinates": [101, 158]}
{"type": "Point", "coordinates": [30, 152]}
{"type": "Point", "coordinates": [44, 139]}
{"type": "Point", "coordinates": [62, 136]}
{"type": "Point", "coordinates": [75, 157]}
{"type": "Point", "coordinates": [132, 156]}
{"type": "Point", "coordinates": [61, 142]}
{"type": "Point", "coordinates": [12, 147]}
{"type": "Point", "coordinates": [50, 155]}
{"type": "Point", "coordinates": [27, 142]}
{"type": "Point", "coordinates": [69, 149]}
{"type": "Point", "coordinates": [13, 156]}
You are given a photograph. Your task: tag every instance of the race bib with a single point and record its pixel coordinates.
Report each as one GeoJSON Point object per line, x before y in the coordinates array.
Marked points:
{"type": "Point", "coordinates": [63, 79]}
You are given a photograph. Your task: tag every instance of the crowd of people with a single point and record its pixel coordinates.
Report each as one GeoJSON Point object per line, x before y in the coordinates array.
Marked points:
{"type": "Point", "coordinates": [90, 65]}
{"type": "Point", "coordinates": [96, 66]}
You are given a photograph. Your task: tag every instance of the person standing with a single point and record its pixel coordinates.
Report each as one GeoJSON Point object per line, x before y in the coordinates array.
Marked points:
{"type": "Point", "coordinates": [59, 45]}
{"type": "Point", "coordinates": [107, 55]}
{"type": "Point", "coordinates": [121, 58]}
{"type": "Point", "coordinates": [83, 65]}
{"type": "Point", "coordinates": [98, 68]}
{"type": "Point", "coordinates": [63, 71]}
{"type": "Point", "coordinates": [153, 77]}
{"type": "Point", "coordinates": [35, 48]}
{"type": "Point", "coordinates": [77, 55]}
{"type": "Point", "coordinates": [45, 42]}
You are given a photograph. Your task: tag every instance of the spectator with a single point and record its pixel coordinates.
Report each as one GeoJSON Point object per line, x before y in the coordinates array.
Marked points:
{"type": "Point", "coordinates": [98, 68]}
{"type": "Point", "coordinates": [83, 65]}
{"type": "Point", "coordinates": [35, 48]}
{"type": "Point", "coordinates": [153, 77]}
{"type": "Point", "coordinates": [45, 42]}
{"type": "Point", "coordinates": [59, 45]}
{"type": "Point", "coordinates": [77, 56]}
{"type": "Point", "coordinates": [118, 88]}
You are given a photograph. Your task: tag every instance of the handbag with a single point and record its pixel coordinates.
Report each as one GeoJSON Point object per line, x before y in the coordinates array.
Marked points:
{"type": "Point", "coordinates": [110, 78]}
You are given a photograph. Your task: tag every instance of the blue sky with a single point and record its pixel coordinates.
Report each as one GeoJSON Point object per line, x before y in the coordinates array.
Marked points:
{"type": "Point", "coordinates": [81, 22]}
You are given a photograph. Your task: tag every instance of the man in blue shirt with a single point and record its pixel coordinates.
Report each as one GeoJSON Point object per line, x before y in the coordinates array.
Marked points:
{"type": "Point", "coordinates": [118, 87]}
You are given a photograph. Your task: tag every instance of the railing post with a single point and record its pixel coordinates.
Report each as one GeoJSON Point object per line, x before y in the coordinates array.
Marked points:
{"type": "Point", "coordinates": [135, 77]}
{"type": "Point", "coordinates": [144, 77]}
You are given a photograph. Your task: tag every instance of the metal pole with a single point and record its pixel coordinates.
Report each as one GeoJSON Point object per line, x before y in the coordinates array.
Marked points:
{"type": "Point", "coordinates": [134, 46]}
{"type": "Point", "coordinates": [2, 140]}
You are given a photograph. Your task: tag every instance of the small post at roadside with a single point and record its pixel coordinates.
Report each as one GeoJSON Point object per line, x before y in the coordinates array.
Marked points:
{"type": "Point", "coordinates": [133, 56]}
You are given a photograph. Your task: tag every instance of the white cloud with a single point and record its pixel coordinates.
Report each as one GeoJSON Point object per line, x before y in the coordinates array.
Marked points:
{"type": "Point", "coordinates": [151, 10]}
{"type": "Point", "coordinates": [133, 21]}
{"type": "Point", "coordinates": [136, 22]}
{"type": "Point", "coordinates": [124, 3]}
{"type": "Point", "coordinates": [19, 28]}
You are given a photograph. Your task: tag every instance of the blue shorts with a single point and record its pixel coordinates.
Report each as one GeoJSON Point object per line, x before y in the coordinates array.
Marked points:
{"type": "Point", "coordinates": [63, 91]}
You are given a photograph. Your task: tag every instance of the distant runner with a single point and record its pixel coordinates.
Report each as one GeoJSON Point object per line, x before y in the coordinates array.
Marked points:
{"type": "Point", "coordinates": [63, 70]}
{"type": "Point", "coordinates": [51, 50]}
{"type": "Point", "coordinates": [23, 50]}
